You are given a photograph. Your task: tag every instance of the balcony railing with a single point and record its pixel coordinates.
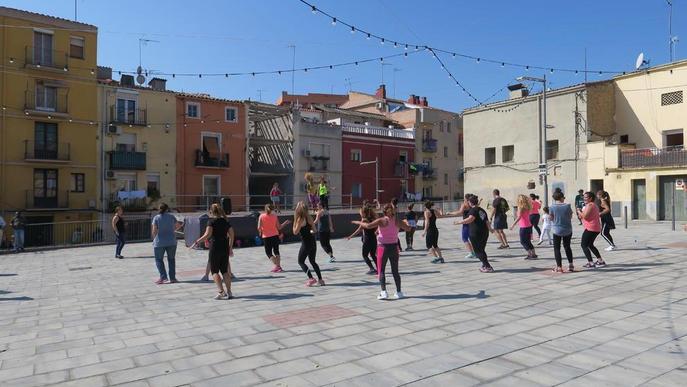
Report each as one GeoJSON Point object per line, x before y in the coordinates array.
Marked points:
{"type": "Point", "coordinates": [47, 104]}
{"type": "Point", "coordinates": [378, 131]}
{"type": "Point", "coordinates": [46, 199]}
{"type": "Point", "coordinates": [653, 157]}
{"type": "Point", "coordinates": [211, 160]}
{"type": "Point", "coordinates": [137, 117]}
{"type": "Point", "coordinates": [429, 145]}
{"type": "Point", "coordinates": [120, 160]}
{"type": "Point", "coordinates": [128, 204]}
{"type": "Point", "coordinates": [51, 59]}
{"type": "Point", "coordinates": [428, 174]}
{"type": "Point", "coordinates": [400, 169]}
{"type": "Point", "coordinates": [48, 152]}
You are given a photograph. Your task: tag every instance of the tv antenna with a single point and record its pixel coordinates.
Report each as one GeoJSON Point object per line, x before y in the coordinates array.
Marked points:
{"type": "Point", "coordinates": [641, 62]}
{"type": "Point", "coordinates": [140, 78]}
{"type": "Point", "coordinates": [672, 40]}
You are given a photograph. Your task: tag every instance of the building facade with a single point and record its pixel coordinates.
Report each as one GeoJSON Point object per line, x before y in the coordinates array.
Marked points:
{"type": "Point", "coordinates": [309, 100]}
{"type": "Point", "coordinates": [48, 130]}
{"type": "Point", "coordinates": [211, 152]}
{"type": "Point", "coordinates": [138, 147]}
{"type": "Point", "coordinates": [377, 158]}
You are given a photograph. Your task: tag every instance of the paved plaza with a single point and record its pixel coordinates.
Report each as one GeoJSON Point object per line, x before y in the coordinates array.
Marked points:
{"type": "Point", "coordinates": [79, 317]}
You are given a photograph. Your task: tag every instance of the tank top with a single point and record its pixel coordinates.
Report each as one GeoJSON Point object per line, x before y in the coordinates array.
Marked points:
{"type": "Point", "coordinates": [323, 224]}
{"type": "Point", "coordinates": [120, 224]}
{"type": "Point", "coordinates": [269, 225]}
{"type": "Point", "coordinates": [369, 234]}
{"type": "Point", "coordinates": [388, 234]}
{"type": "Point", "coordinates": [432, 220]}
{"type": "Point", "coordinates": [592, 222]}
{"type": "Point", "coordinates": [305, 233]}
{"type": "Point", "coordinates": [323, 189]}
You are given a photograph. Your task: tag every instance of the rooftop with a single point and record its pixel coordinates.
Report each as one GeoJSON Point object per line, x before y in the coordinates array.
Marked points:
{"type": "Point", "coordinates": [47, 19]}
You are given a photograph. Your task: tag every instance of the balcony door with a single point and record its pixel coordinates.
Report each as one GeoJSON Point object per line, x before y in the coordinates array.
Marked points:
{"type": "Point", "coordinates": [45, 141]}
{"type": "Point", "coordinates": [45, 188]}
{"type": "Point", "coordinates": [126, 110]}
{"type": "Point", "coordinates": [42, 48]}
{"type": "Point", "coordinates": [211, 151]}
{"type": "Point", "coordinates": [46, 98]}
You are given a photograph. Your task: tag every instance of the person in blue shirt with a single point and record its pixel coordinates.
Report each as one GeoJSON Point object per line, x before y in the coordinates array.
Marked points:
{"type": "Point", "coordinates": [163, 231]}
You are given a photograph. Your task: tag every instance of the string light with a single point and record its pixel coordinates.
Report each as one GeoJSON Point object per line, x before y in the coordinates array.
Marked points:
{"type": "Point", "coordinates": [352, 30]}
{"type": "Point", "coordinates": [382, 41]}
{"type": "Point", "coordinates": [314, 10]}
{"type": "Point", "coordinates": [333, 21]}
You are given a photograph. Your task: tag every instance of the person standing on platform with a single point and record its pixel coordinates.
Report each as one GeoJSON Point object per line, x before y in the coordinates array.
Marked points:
{"type": "Point", "coordinates": [119, 228]}
{"type": "Point", "coordinates": [323, 190]}
{"type": "Point", "coordinates": [275, 197]}
{"type": "Point", "coordinates": [311, 188]}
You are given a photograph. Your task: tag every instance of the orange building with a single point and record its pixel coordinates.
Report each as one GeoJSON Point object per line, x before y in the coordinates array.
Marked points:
{"type": "Point", "coordinates": [211, 152]}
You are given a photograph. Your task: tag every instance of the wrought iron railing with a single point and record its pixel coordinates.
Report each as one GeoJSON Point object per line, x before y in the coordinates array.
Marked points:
{"type": "Point", "coordinates": [42, 151]}
{"type": "Point", "coordinates": [43, 57]}
{"type": "Point", "coordinates": [653, 157]}
{"type": "Point", "coordinates": [120, 160]}
{"type": "Point", "coordinates": [204, 159]}
{"type": "Point", "coordinates": [136, 117]}
{"type": "Point", "coordinates": [429, 145]}
{"type": "Point", "coordinates": [46, 198]}
{"type": "Point", "coordinates": [49, 102]}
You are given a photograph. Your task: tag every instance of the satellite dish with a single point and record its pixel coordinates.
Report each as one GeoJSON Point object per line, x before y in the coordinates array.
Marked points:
{"type": "Point", "coordinates": [140, 79]}
{"type": "Point", "coordinates": [641, 62]}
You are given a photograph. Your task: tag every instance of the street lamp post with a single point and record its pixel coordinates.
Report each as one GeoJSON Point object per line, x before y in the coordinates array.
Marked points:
{"type": "Point", "coordinates": [543, 165]}
{"type": "Point", "coordinates": [376, 163]}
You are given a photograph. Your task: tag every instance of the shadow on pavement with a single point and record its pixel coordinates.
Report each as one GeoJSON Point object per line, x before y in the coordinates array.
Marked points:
{"type": "Point", "coordinates": [7, 274]}
{"type": "Point", "coordinates": [22, 298]}
{"type": "Point", "coordinates": [354, 284]}
{"type": "Point", "coordinates": [419, 272]}
{"type": "Point", "coordinates": [480, 295]}
{"type": "Point", "coordinates": [273, 297]}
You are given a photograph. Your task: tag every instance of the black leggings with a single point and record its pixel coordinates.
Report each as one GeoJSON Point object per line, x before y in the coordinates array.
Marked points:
{"type": "Point", "coordinates": [390, 253]}
{"type": "Point", "coordinates": [370, 251]}
{"type": "Point", "coordinates": [526, 238]}
{"type": "Point", "coordinates": [324, 199]}
{"type": "Point", "coordinates": [432, 238]}
{"type": "Point", "coordinates": [479, 243]}
{"type": "Point", "coordinates": [557, 249]}
{"type": "Point", "coordinates": [534, 219]}
{"type": "Point", "coordinates": [409, 237]}
{"type": "Point", "coordinates": [309, 250]}
{"type": "Point", "coordinates": [325, 238]}
{"type": "Point", "coordinates": [588, 244]}
{"type": "Point", "coordinates": [606, 233]}
{"type": "Point", "coordinates": [271, 246]}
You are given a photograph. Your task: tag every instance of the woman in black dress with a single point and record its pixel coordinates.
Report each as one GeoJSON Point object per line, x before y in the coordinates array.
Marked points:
{"type": "Point", "coordinates": [221, 237]}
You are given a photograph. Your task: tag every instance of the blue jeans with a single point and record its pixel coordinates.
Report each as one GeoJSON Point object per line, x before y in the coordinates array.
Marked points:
{"type": "Point", "coordinates": [18, 240]}
{"type": "Point", "coordinates": [159, 261]}
{"type": "Point", "coordinates": [121, 241]}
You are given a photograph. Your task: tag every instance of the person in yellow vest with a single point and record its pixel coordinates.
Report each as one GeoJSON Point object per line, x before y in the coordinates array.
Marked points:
{"type": "Point", "coordinates": [324, 193]}
{"type": "Point", "coordinates": [311, 189]}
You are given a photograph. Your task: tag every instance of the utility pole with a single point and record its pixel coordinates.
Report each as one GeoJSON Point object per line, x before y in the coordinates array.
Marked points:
{"type": "Point", "coordinates": [293, 69]}
{"type": "Point", "coordinates": [349, 83]}
{"type": "Point", "coordinates": [543, 165]}
{"type": "Point", "coordinates": [260, 94]}
{"type": "Point", "coordinates": [376, 163]}
{"type": "Point", "coordinates": [75, 18]}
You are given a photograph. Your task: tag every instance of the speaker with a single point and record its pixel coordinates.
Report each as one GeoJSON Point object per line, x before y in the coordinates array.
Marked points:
{"type": "Point", "coordinates": [226, 205]}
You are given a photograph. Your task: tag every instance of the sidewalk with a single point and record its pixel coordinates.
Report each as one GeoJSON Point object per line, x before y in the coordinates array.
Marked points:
{"type": "Point", "coordinates": [79, 317]}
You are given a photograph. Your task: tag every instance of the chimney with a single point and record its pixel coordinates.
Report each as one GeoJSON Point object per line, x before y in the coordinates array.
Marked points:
{"type": "Point", "coordinates": [411, 99]}
{"type": "Point", "coordinates": [104, 72]}
{"type": "Point", "coordinates": [381, 92]}
{"type": "Point", "coordinates": [158, 84]}
{"type": "Point", "coordinates": [127, 80]}
{"type": "Point", "coordinates": [424, 102]}
{"type": "Point", "coordinates": [416, 99]}
{"type": "Point", "coordinates": [517, 90]}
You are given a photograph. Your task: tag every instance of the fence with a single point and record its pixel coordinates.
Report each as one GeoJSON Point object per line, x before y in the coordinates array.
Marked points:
{"type": "Point", "coordinates": [240, 203]}
{"type": "Point", "coordinates": [653, 157]}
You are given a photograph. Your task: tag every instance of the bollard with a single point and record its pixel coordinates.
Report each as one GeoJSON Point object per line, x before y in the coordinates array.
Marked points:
{"type": "Point", "coordinates": [673, 206]}
{"type": "Point", "coordinates": [625, 216]}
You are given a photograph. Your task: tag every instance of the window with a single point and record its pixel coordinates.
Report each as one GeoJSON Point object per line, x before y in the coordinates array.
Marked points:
{"type": "Point", "coordinates": [127, 182]}
{"type": "Point", "coordinates": [78, 182]}
{"type": "Point", "coordinates": [231, 114]}
{"type": "Point", "coordinates": [211, 148]}
{"type": "Point", "coordinates": [671, 98]}
{"type": "Point", "coordinates": [441, 126]}
{"type": "Point", "coordinates": [211, 186]}
{"type": "Point", "coordinates": [624, 139]}
{"type": "Point", "coordinates": [46, 98]}
{"type": "Point", "coordinates": [460, 144]}
{"type": "Point", "coordinates": [445, 178]}
{"type": "Point", "coordinates": [126, 142]}
{"type": "Point", "coordinates": [192, 110]}
{"type": "Point", "coordinates": [445, 151]}
{"type": "Point", "coordinates": [507, 153]}
{"type": "Point", "coordinates": [356, 155]}
{"type": "Point", "coordinates": [489, 156]}
{"type": "Point", "coordinates": [76, 47]}
{"type": "Point", "coordinates": [45, 188]}
{"type": "Point", "coordinates": [403, 156]}
{"type": "Point", "coordinates": [448, 126]}
{"type": "Point", "coordinates": [357, 190]}
{"type": "Point", "coordinates": [153, 185]}
{"type": "Point", "coordinates": [552, 150]}
{"type": "Point", "coordinates": [673, 138]}
{"type": "Point", "coordinates": [126, 110]}
{"type": "Point", "coordinates": [45, 141]}
{"type": "Point", "coordinates": [42, 48]}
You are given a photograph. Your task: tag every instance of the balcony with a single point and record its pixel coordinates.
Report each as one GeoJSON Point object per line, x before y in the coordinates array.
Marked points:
{"type": "Point", "coordinates": [429, 145]}
{"type": "Point", "coordinates": [51, 60]}
{"type": "Point", "coordinates": [36, 199]}
{"type": "Point", "coordinates": [211, 160]}
{"type": "Point", "coordinates": [653, 157]}
{"type": "Point", "coordinates": [378, 131]}
{"type": "Point", "coordinates": [47, 105]}
{"type": "Point", "coordinates": [120, 160]}
{"type": "Point", "coordinates": [39, 152]}
{"type": "Point", "coordinates": [429, 174]}
{"type": "Point", "coordinates": [136, 117]}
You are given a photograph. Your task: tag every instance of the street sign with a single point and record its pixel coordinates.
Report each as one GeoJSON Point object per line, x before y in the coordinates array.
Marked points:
{"type": "Point", "coordinates": [679, 184]}
{"type": "Point", "coordinates": [543, 172]}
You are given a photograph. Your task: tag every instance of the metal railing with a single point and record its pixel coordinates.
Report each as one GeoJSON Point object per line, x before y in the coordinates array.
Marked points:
{"type": "Point", "coordinates": [429, 145]}
{"type": "Point", "coordinates": [378, 131]}
{"type": "Point", "coordinates": [428, 173]}
{"type": "Point", "coordinates": [137, 117]}
{"type": "Point", "coordinates": [56, 103]}
{"type": "Point", "coordinates": [211, 160]}
{"type": "Point", "coordinates": [42, 57]}
{"type": "Point", "coordinates": [242, 203]}
{"type": "Point", "coordinates": [400, 169]}
{"type": "Point", "coordinates": [46, 199]}
{"type": "Point", "coordinates": [41, 151]}
{"type": "Point", "coordinates": [653, 157]}
{"type": "Point", "coordinates": [120, 160]}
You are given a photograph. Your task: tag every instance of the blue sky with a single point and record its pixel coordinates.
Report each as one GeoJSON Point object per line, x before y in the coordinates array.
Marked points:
{"type": "Point", "coordinates": [251, 35]}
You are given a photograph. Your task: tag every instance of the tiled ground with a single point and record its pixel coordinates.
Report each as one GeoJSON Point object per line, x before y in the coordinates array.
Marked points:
{"type": "Point", "coordinates": [81, 318]}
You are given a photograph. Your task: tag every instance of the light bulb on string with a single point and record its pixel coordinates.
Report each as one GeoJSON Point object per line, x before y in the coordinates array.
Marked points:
{"type": "Point", "coordinates": [226, 75]}
{"type": "Point", "coordinates": [395, 44]}
{"type": "Point", "coordinates": [368, 36]}
{"type": "Point", "coordinates": [478, 59]}
{"type": "Point", "coordinates": [551, 71]}
{"type": "Point", "coordinates": [352, 30]}
{"type": "Point", "coordinates": [503, 64]}
{"type": "Point", "coordinates": [314, 9]}
{"type": "Point", "coordinates": [381, 41]}
{"type": "Point", "coordinates": [406, 47]}
{"type": "Point", "coordinates": [381, 59]}
{"type": "Point", "coordinates": [405, 54]}
{"type": "Point", "coordinates": [454, 55]}
{"type": "Point", "coordinates": [333, 21]}
{"type": "Point", "coordinates": [527, 68]}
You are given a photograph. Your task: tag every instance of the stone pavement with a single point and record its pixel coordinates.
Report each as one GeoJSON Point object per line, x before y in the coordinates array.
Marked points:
{"type": "Point", "coordinates": [79, 317]}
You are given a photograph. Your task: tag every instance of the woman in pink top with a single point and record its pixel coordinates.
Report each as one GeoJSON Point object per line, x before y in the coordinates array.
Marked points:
{"type": "Point", "coordinates": [592, 227]}
{"type": "Point", "coordinates": [523, 220]}
{"type": "Point", "coordinates": [269, 230]}
{"type": "Point", "coordinates": [534, 215]}
{"type": "Point", "coordinates": [387, 247]}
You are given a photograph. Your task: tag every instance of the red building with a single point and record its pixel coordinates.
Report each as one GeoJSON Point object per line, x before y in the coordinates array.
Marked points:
{"type": "Point", "coordinates": [393, 149]}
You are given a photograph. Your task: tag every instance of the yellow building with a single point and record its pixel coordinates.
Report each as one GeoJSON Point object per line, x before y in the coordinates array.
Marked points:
{"type": "Point", "coordinates": [138, 151]}
{"type": "Point", "coordinates": [48, 126]}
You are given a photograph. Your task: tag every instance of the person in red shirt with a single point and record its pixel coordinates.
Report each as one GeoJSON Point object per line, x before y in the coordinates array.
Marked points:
{"type": "Point", "coordinates": [275, 196]}
{"type": "Point", "coordinates": [269, 230]}
{"type": "Point", "coordinates": [592, 227]}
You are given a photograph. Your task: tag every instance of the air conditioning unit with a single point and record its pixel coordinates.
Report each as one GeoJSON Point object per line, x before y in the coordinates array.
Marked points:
{"type": "Point", "coordinates": [114, 130]}
{"type": "Point", "coordinates": [109, 175]}
{"type": "Point", "coordinates": [306, 152]}
{"type": "Point", "coordinates": [380, 105]}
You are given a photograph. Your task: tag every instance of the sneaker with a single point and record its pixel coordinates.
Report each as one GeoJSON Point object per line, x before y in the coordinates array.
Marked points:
{"type": "Point", "coordinates": [399, 295]}
{"type": "Point", "coordinates": [471, 255]}
{"type": "Point", "coordinates": [205, 278]}
{"type": "Point", "coordinates": [383, 295]}
{"type": "Point", "coordinates": [220, 296]}
{"type": "Point", "coordinates": [161, 281]}
{"type": "Point", "coordinates": [589, 265]}
{"type": "Point", "coordinates": [599, 263]}
{"type": "Point", "coordinates": [486, 269]}
{"type": "Point", "coordinates": [610, 248]}
{"type": "Point", "coordinates": [502, 247]}
{"type": "Point", "coordinates": [571, 268]}
{"type": "Point", "coordinates": [310, 282]}
{"type": "Point", "coordinates": [229, 295]}
{"type": "Point", "coordinates": [557, 269]}
{"type": "Point", "coordinates": [119, 256]}
{"type": "Point", "coordinates": [275, 269]}
{"type": "Point", "coordinates": [438, 260]}
{"type": "Point", "coordinates": [320, 282]}
{"type": "Point", "coordinates": [530, 257]}
{"type": "Point", "coordinates": [371, 272]}
{"type": "Point", "coordinates": [279, 270]}
{"type": "Point", "coordinates": [174, 281]}
{"type": "Point", "coordinates": [332, 259]}
{"type": "Point", "coordinates": [540, 242]}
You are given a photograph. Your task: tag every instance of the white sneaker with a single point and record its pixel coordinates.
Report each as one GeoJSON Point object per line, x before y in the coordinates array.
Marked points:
{"type": "Point", "coordinates": [332, 259]}
{"type": "Point", "coordinates": [383, 295]}
{"type": "Point", "coordinates": [540, 242]}
{"type": "Point", "coordinates": [610, 248]}
{"type": "Point", "coordinates": [220, 296]}
{"type": "Point", "coordinates": [399, 295]}
{"type": "Point", "coordinates": [471, 255]}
